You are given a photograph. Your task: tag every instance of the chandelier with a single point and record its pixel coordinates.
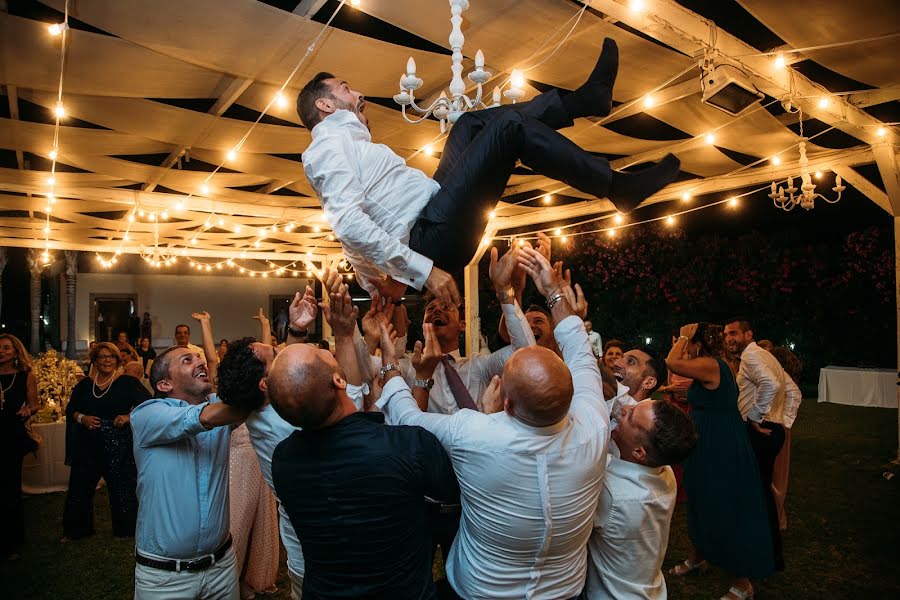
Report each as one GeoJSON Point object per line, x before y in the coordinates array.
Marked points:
{"type": "Point", "coordinates": [449, 109]}
{"type": "Point", "coordinates": [787, 198]}
{"type": "Point", "coordinates": [154, 255]}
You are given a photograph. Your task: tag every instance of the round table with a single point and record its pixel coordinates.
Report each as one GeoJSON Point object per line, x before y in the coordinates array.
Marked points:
{"type": "Point", "coordinates": [47, 472]}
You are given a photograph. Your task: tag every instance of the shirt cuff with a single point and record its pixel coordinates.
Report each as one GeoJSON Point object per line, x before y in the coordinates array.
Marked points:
{"type": "Point", "coordinates": [418, 268]}
{"type": "Point", "coordinates": [569, 325]}
{"type": "Point", "coordinates": [192, 423]}
{"type": "Point", "coordinates": [392, 387]}
{"type": "Point", "coordinates": [755, 415]}
{"type": "Point", "coordinates": [514, 314]}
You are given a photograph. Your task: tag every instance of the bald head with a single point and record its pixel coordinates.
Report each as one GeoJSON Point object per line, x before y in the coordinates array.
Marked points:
{"type": "Point", "coordinates": [537, 386]}
{"type": "Point", "coordinates": [306, 387]}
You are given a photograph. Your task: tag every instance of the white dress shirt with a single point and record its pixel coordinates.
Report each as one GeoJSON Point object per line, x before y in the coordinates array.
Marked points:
{"type": "Point", "coordinates": [792, 399]}
{"type": "Point", "coordinates": [370, 197]}
{"type": "Point", "coordinates": [596, 343]}
{"type": "Point", "coordinates": [528, 493]}
{"type": "Point", "coordinates": [760, 380]}
{"type": "Point", "coordinates": [631, 532]}
{"type": "Point", "coordinates": [614, 406]}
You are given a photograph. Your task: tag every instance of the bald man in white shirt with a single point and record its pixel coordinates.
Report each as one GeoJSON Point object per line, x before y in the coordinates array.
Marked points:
{"type": "Point", "coordinates": [530, 474]}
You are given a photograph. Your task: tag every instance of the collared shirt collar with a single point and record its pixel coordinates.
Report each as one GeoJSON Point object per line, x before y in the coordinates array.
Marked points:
{"type": "Point", "coordinates": [339, 118]}
{"type": "Point", "coordinates": [750, 347]}
{"type": "Point", "coordinates": [622, 467]}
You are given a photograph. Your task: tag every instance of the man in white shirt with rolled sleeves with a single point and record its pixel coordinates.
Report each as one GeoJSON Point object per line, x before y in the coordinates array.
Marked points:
{"type": "Point", "coordinates": [631, 527]}
{"type": "Point", "coordinates": [530, 474]}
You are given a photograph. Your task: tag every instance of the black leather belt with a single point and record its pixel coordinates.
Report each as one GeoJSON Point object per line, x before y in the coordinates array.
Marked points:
{"type": "Point", "coordinates": [196, 564]}
{"type": "Point", "coordinates": [435, 506]}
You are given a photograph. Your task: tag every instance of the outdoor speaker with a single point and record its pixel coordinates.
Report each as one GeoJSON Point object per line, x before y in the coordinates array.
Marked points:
{"type": "Point", "coordinates": [728, 89]}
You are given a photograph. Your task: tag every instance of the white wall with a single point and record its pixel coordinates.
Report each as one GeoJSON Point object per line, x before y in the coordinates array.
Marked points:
{"type": "Point", "coordinates": [170, 300]}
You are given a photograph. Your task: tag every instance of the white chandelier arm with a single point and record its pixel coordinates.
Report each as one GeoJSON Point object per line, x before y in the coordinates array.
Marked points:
{"type": "Point", "coordinates": [414, 121]}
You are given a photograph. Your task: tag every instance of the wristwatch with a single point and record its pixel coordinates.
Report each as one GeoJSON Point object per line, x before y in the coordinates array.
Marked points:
{"type": "Point", "coordinates": [425, 384]}
{"type": "Point", "coordinates": [297, 333]}
{"type": "Point", "coordinates": [505, 294]}
{"type": "Point", "coordinates": [388, 368]}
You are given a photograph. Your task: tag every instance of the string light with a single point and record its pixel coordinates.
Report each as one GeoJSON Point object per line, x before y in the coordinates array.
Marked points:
{"type": "Point", "coordinates": [280, 100]}
{"type": "Point", "coordinates": [548, 198]}
{"type": "Point", "coordinates": [60, 110]}
{"type": "Point", "coordinates": [649, 101]}
{"type": "Point", "coordinates": [776, 160]}
{"type": "Point", "coordinates": [710, 138]}
{"type": "Point", "coordinates": [779, 61]}
{"type": "Point", "coordinates": [611, 233]}
{"type": "Point", "coordinates": [558, 231]}
{"type": "Point", "coordinates": [56, 29]}
{"type": "Point", "coordinates": [733, 202]}
{"type": "Point", "coordinates": [637, 6]}
{"type": "Point", "coordinates": [204, 188]}
{"type": "Point", "coordinates": [492, 214]}
{"type": "Point", "coordinates": [881, 132]}
{"type": "Point", "coordinates": [618, 218]}
{"type": "Point", "coordinates": [685, 196]}
{"type": "Point", "coordinates": [564, 239]}
{"type": "Point", "coordinates": [670, 220]}
{"type": "Point", "coordinates": [818, 175]}
{"type": "Point", "coordinates": [53, 154]}
{"type": "Point", "coordinates": [232, 155]}
{"type": "Point", "coordinates": [824, 102]}
{"type": "Point", "coordinates": [429, 150]}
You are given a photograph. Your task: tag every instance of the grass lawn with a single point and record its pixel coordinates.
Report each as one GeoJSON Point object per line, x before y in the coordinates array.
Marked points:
{"type": "Point", "coordinates": [843, 538]}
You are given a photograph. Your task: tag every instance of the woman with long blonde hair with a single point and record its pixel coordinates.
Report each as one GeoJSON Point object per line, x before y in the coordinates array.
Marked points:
{"type": "Point", "coordinates": [19, 400]}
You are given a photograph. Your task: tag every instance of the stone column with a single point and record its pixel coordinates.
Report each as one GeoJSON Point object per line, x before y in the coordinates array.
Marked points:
{"type": "Point", "coordinates": [71, 276]}
{"type": "Point", "coordinates": [3, 259]}
{"type": "Point", "coordinates": [35, 267]}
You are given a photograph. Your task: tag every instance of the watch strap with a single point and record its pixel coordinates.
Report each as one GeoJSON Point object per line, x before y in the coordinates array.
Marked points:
{"type": "Point", "coordinates": [297, 333]}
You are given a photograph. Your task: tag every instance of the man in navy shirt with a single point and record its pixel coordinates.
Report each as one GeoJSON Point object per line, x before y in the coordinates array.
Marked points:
{"type": "Point", "coordinates": [353, 487]}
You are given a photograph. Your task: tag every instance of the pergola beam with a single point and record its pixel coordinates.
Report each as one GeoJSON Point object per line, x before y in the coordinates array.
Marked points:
{"type": "Point", "coordinates": [865, 187]}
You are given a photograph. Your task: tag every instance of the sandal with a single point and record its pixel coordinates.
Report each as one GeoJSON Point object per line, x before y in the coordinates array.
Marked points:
{"type": "Point", "coordinates": [736, 593]}
{"type": "Point", "coordinates": [688, 567]}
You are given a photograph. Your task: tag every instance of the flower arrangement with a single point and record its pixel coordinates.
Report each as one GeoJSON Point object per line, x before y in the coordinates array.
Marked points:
{"type": "Point", "coordinates": [56, 376]}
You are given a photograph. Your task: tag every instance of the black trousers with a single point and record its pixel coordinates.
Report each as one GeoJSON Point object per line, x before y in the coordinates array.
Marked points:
{"type": "Point", "coordinates": [106, 453]}
{"type": "Point", "coordinates": [11, 509]}
{"type": "Point", "coordinates": [766, 449]}
{"type": "Point", "coordinates": [478, 159]}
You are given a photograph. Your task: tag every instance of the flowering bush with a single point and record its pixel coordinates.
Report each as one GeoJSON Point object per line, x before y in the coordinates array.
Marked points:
{"type": "Point", "coordinates": [56, 376]}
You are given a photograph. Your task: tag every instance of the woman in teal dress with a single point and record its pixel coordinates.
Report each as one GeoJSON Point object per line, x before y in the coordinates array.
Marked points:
{"type": "Point", "coordinates": [727, 519]}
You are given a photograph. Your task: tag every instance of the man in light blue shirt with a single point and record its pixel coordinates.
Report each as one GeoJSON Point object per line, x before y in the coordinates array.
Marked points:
{"type": "Point", "coordinates": [183, 545]}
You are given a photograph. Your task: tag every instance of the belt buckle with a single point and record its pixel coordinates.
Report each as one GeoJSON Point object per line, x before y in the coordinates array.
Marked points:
{"type": "Point", "coordinates": [198, 564]}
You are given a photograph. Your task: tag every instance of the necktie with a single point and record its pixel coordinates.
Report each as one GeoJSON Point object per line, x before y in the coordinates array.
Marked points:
{"type": "Point", "coordinates": [457, 387]}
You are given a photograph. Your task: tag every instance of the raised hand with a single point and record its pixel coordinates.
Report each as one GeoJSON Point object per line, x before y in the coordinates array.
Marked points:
{"type": "Point", "coordinates": [544, 245]}
{"type": "Point", "coordinates": [688, 331]}
{"type": "Point", "coordinates": [303, 310]}
{"type": "Point", "coordinates": [502, 268]}
{"type": "Point", "coordinates": [389, 289]}
{"type": "Point", "coordinates": [538, 267]}
{"type": "Point", "coordinates": [261, 316]}
{"type": "Point", "coordinates": [576, 300]}
{"type": "Point", "coordinates": [491, 402]}
{"type": "Point", "coordinates": [443, 286]}
{"type": "Point", "coordinates": [201, 316]}
{"type": "Point", "coordinates": [340, 313]}
{"type": "Point", "coordinates": [426, 356]}
{"type": "Point", "coordinates": [388, 337]}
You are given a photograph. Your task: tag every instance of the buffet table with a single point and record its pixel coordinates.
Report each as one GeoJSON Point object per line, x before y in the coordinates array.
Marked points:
{"type": "Point", "coordinates": [859, 387]}
{"type": "Point", "coordinates": [47, 471]}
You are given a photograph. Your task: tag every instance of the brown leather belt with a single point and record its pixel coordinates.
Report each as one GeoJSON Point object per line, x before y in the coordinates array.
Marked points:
{"type": "Point", "coordinates": [196, 564]}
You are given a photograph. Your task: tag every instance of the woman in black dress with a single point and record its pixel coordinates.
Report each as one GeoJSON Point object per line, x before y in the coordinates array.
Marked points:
{"type": "Point", "coordinates": [145, 351]}
{"type": "Point", "coordinates": [18, 398]}
{"type": "Point", "coordinates": [98, 444]}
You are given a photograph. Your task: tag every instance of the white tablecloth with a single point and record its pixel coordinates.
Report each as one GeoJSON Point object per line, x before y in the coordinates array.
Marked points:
{"type": "Point", "coordinates": [859, 387]}
{"type": "Point", "coordinates": [47, 472]}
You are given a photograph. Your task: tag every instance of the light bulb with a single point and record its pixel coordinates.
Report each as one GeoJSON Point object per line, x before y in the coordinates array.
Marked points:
{"type": "Point", "coordinates": [317, 229]}
{"type": "Point", "coordinates": [670, 220]}
{"type": "Point", "coordinates": [516, 79]}
{"type": "Point", "coordinates": [56, 29]}
{"type": "Point", "coordinates": [193, 240]}
{"type": "Point", "coordinates": [232, 154]}
{"type": "Point", "coordinates": [179, 205]}
{"type": "Point", "coordinates": [51, 198]}
{"type": "Point", "coordinates": [331, 238]}
{"type": "Point", "coordinates": [204, 188]}
{"type": "Point", "coordinates": [141, 213]}
{"type": "Point", "coordinates": [618, 219]}
{"type": "Point", "coordinates": [47, 229]}
{"type": "Point", "coordinates": [685, 196]}
{"type": "Point", "coordinates": [823, 102]}
{"type": "Point", "coordinates": [492, 214]}
{"type": "Point", "coordinates": [710, 139]}
{"type": "Point", "coordinates": [611, 232]}
{"type": "Point", "coordinates": [53, 154]}
{"type": "Point", "coordinates": [818, 175]}
{"type": "Point", "coordinates": [564, 239]}
{"type": "Point", "coordinates": [131, 218]}
{"type": "Point", "coordinates": [221, 222]}
{"type": "Point", "coordinates": [649, 101]}
{"type": "Point", "coordinates": [733, 202]}
{"type": "Point", "coordinates": [558, 232]}
{"type": "Point", "coordinates": [776, 160]}
{"type": "Point", "coordinates": [429, 150]}
{"type": "Point", "coordinates": [521, 242]}
{"type": "Point", "coordinates": [881, 132]}
{"type": "Point", "coordinates": [637, 6]}
{"type": "Point", "coordinates": [51, 181]}
{"type": "Point", "coordinates": [126, 237]}
{"type": "Point", "coordinates": [237, 228]}
{"type": "Point", "coordinates": [280, 100]}
{"type": "Point", "coordinates": [60, 110]}
{"type": "Point", "coordinates": [779, 61]}
{"type": "Point", "coordinates": [355, 2]}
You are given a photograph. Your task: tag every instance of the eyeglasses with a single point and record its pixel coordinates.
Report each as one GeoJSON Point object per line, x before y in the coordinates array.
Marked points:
{"type": "Point", "coordinates": [106, 357]}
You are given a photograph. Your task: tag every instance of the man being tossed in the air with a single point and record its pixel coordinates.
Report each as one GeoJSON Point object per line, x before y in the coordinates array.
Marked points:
{"type": "Point", "coordinates": [401, 228]}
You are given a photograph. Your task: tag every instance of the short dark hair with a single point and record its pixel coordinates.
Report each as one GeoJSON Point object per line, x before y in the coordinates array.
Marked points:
{"type": "Point", "coordinates": [314, 89]}
{"type": "Point", "coordinates": [239, 375]}
{"type": "Point", "coordinates": [743, 323]}
{"type": "Point", "coordinates": [673, 435]}
{"type": "Point", "coordinates": [613, 343]}
{"type": "Point", "coordinates": [652, 365]}
{"type": "Point", "coordinates": [540, 309]}
{"type": "Point", "coordinates": [789, 362]}
{"type": "Point", "coordinates": [182, 325]}
{"type": "Point", "coordinates": [160, 368]}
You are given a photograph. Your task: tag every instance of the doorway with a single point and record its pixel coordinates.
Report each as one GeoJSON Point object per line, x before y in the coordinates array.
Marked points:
{"type": "Point", "coordinates": [110, 314]}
